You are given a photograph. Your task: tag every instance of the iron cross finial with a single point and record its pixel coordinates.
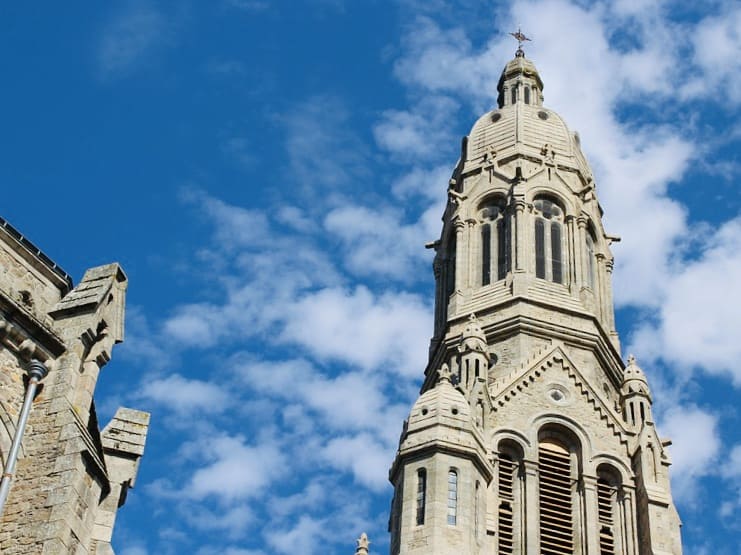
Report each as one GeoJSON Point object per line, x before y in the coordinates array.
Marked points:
{"type": "Point", "coordinates": [521, 38]}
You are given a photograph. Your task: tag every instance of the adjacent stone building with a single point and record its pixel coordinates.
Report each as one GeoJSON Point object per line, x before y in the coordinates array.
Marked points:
{"type": "Point", "coordinates": [531, 435]}
{"type": "Point", "coordinates": [71, 477]}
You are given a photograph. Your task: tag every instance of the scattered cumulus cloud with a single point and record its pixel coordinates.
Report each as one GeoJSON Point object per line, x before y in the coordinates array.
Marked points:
{"type": "Point", "coordinates": [717, 42]}
{"type": "Point", "coordinates": [185, 395]}
{"type": "Point", "coordinates": [696, 445]}
{"type": "Point", "coordinates": [697, 315]}
{"type": "Point", "coordinates": [339, 320]}
{"type": "Point", "coordinates": [235, 469]}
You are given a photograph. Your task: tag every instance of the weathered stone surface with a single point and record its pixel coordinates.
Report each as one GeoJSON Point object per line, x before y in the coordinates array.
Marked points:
{"type": "Point", "coordinates": [524, 324]}
{"type": "Point", "coordinates": [67, 484]}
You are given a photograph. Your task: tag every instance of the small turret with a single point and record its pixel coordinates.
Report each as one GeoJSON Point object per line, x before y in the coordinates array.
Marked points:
{"type": "Point", "coordinates": [440, 475]}
{"type": "Point", "coordinates": [473, 356]}
{"type": "Point", "coordinates": [636, 397]}
{"type": "Point", "coordinates": [520, 82]}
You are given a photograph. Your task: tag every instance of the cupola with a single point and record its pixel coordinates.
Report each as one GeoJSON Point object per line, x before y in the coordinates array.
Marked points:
{"type": "Point", "coordinates": [520, 82]}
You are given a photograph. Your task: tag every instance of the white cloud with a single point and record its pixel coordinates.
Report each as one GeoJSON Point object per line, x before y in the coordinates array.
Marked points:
{"type": "Point", "coordinates": [717, 42]}
{"type": "Point", "coordinates": [364, 456]}
{"type": "Point", "coordinates": [184, 395]}
{"type": "Point", "coordinates": [301, 536]}
{"type": "Point", "coordinates": [696, 444]}
{"type": "Point", "coordinates": [296, 219]}
{"type": "Point", "coordinates": [324, 154]}
{"type": "Point", "coordinates": [424, 183]}
{"type": "Point", "coordinates": [443, 61]}
{"type": "Point", "coordinates": [699, 314]}
{"type": "Point", "coordinates": [234, 226]}
{"type": "Point", "coordinates": [302, 388]}
{"type": "Point", "coordinates": [358, 327]}
{"type": "Point", "coordinates": [129, 38]}
{"type": "Point", "coordinates": [420, 133]}
{"type": "Point", "coordinates": [731, 472]}
{"type": "Point", "coordinates": [376, 242]}
{"type": "Point", "coordinates": [235, 470]}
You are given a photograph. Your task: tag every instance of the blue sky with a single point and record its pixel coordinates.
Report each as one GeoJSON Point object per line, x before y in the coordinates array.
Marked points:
{"type": "Point", "coordinates": [267, 173]}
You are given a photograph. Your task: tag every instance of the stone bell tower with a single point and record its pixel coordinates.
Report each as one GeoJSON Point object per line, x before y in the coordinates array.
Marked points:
{"type": "Point", "coordinates": [531, 436]}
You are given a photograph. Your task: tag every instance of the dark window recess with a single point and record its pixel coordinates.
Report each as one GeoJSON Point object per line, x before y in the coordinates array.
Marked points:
{"type": "Point", "coordinates": [486, 254]}
{"type": "Point", "coordinates": [556, 252]}
{"type": "Point", "coordinates": [539, 249]}
{"type": "Point", "coordinates": [421, 495]}
{"type": "Point", "coordinates": [501, 250]}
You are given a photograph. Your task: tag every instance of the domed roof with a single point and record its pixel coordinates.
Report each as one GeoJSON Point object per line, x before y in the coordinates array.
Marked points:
{"type": "Point", "coordinates": [473, 337]}
{"type": "Point", "coordinates": [519, 65]}
{"type": "Point", "coordinates": [527, 129]}
{"type": "Point", "coordinates": [522, 126]}
{"type": "Point", "coordinates": [634, 379]}
{"type": "Point", "coordinates": [441, 404]}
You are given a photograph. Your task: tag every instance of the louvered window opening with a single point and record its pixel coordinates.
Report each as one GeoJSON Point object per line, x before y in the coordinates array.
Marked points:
{"type": "Point", "coordinates": [556, 516]}
{"type": "Point", "coordinates": [421, 495]}
{"type": "Point", "coordinates": [506, 504]}
{"type": "Point", "coordinates": [452, 497]}
{"type": "Point", "coordinates": [605, 496]}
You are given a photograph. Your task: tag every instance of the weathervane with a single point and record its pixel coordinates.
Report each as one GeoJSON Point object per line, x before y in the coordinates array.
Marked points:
{"type": "Point", "coordinates": [521, 38]}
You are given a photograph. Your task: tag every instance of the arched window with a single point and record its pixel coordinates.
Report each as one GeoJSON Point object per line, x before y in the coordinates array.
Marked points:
{"type": "Point", "coordinates": [557, 476]}
{"type": "Point", "coordinates": [514, 94]}
{"type": "Point", "coordinates": [510, 499]}
{"type": "Point", "coordinates": [452, 497]}
{"type": "Point", "coordinates": [549, 218]}
{"type": "Point", "coordinates": [591, 261]}
{"type": "Point", "coordinates": [507, 473]}
{"type": "Point", "coordinates": [527, 95]}
{"type": "Point", "coordinates": [421, 495]}
{"type": "Point", "coordinates": [495, 258]}
{"type": "Point", "coordinates": [608, 514]}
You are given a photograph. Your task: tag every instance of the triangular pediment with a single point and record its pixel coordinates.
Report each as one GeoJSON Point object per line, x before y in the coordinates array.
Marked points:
{"type": "Point", "coordinates": [554, 364]}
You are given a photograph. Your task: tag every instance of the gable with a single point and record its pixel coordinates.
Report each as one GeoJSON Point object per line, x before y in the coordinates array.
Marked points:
{"type": "Point", "coordinates": [552, 383]}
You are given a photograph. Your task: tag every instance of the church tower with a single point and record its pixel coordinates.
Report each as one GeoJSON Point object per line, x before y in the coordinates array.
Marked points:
{"type": "Point", "coordinates": [531, 436]}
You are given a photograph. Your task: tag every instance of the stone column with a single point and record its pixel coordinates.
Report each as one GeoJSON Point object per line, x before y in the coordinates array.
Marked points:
{"type": "Point", "coordinates": [590, 519]}
{"type": "Point", "coordinates": [607, 294]}
{"type": "Point", "coordinates": [519, 235]}
{"type": "Point", "coordinates": [600, 286]}
{"type": "Point", "coordinates": [492, 501]}
{"type": "Point", "coordinates": [531, 523]}
{"type": "Point", "coordinates": [572, 254]}
{"type": "Point", "coordinates": [629, 531]}
{"type": "Point", "coordinates": [581, 253]}
{"type": "Point", "coordinates": [473, 254]}
{"type": "Point", "coordinates": [440, 301]}
{"type": "Point", "coordinates": [461, 256]}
